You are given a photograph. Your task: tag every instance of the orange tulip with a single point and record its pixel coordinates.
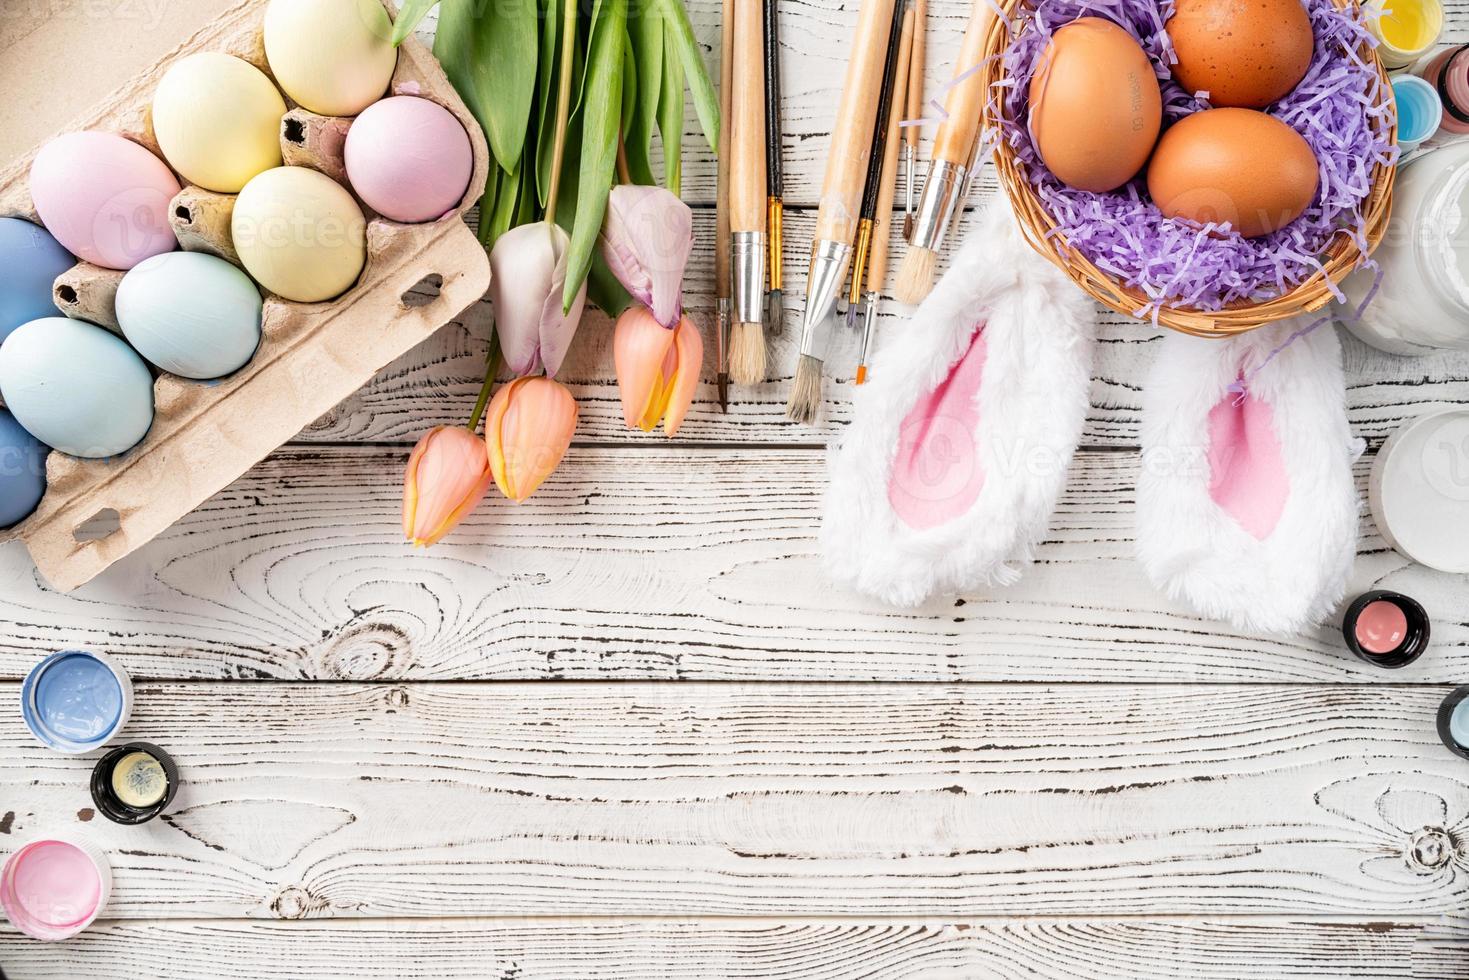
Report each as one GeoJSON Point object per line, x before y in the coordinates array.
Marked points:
{"type": "Point", "coordinates": [446, 477]}
{"type": "Point", "coordinates": [527, 430]}
{"type": "Point", "coordinates": [657, 369]}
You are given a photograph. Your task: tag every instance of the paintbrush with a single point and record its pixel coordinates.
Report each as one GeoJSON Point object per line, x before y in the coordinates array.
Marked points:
{"type": "Point", "coordinates": [747, 195]}
{"type": "Point", "coordinates": [877, 261]}
{"type": "Point", "coordinates": [953, 151]}
{"type": "Point", "coordinates": [721, 221]}
{"type": "Point", "coordinates": [841, 199]}
{"type": "Point", "coordinates": [774, 183]}
{"type": "Point", "coordinates": [872, 187]}
{"type": "Point", "coordinates": [914, 110]}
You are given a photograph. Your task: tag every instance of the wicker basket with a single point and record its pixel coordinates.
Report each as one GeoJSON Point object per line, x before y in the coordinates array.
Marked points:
{"type": "Point", "coordinates": [1038, 226]}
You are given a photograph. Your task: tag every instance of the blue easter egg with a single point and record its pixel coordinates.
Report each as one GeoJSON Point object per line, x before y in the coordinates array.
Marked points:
{"type": "Point", "coordinates": [76, 387]}
{"type": "Point", "coordinates": [30, 261]}
{"type": "Point", "coordinates": [191, 314]}
{"type": "Point", "coordinates": [22, 471]}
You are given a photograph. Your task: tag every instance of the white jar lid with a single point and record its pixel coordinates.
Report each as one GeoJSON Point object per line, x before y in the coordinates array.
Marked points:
{"type": "Point", "coordinates": [1419, 490]}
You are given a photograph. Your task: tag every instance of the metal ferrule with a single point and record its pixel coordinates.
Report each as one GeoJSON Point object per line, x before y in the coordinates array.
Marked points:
{"type": "Point", "coordinates": [969, 173]}
{"type": "Point", "coordinates": [721, 335]}
{"type": "Point", "coordinates": [942, 193]}
{"type": "Point", "coordinates": [823, 283]}
{"type": "Point", "coordinates": [908, 181]}
{"type": "Point", "coordinates": [859, 260]}
{"type": "Point", "coordinates": [869, 318]}
{"type": "Point", "coordinates": [748, 256]}
{"type": "Point", "coordinates": [774, 221]}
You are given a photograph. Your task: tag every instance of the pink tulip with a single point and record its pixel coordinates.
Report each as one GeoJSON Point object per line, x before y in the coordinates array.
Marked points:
{"type": "Point", "coordinates": [527, 430]}
{"type": "Point", "coordinates": [528, 268]}
{"type": "Point", "coordinates": [446, 477]}
{"type": "Point", "coordinates": [657, 369]}
{"type": "Point", "coordinates": [646, 239]}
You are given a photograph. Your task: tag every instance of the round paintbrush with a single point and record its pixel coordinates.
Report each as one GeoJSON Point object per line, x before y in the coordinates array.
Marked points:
{"type": "Point", "coordinates": [914, 110]}
{"type": "Point", "coordinates": [774, 181]}
{"type": "Point", "coordinates": [747, 353]}
{"type": "Point", "coordinates": [721, 221]}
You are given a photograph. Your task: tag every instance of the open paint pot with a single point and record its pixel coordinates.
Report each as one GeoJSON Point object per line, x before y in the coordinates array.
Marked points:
{"type": "Point", "coordinates": [1453, 721]}
{"type": "Point", "coordinates": [52, 888]}
{"type": "Point", "coordinates": [1419, 111]}
{"type": "Point", "coordinates": [1419, 490]}
{"type": "Point", "coordinates": [76, 701]}
{"type": "Point", "coordinates": [134, 783]}
{"type": "Point", "coordinates": [1386, 629]}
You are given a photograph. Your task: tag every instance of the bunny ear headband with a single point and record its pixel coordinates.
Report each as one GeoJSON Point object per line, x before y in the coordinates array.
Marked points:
{"type": "Point", "coordinates": [960, 442]}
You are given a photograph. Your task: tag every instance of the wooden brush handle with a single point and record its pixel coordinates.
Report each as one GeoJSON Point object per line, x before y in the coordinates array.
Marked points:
{"type": "Point", "coordinates": [877, 260]}
{"type": "Point", "coordinates": [915, 70]}
{"type": "Point", "coordinates": [747, 119]}
{"type": "Point", "coordinates": [966, 100]}
{"type": "Point", "coordinates": [722, 285]}
{"type": "Point", "coordinates": [851, 137]}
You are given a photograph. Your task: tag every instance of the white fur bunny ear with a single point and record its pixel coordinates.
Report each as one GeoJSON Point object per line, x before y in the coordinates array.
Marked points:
{"type": "Point", "coordinates": [1246, 505]}
{"type": "Point", "coordinates": [961, 439]}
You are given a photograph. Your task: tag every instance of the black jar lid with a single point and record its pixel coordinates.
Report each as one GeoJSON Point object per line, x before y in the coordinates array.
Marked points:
{"type": "Point", "coordinates": [1446, 718]}
{"type": "Point", "coordinates": [1414, 642]}
{"type": "Point", "coordinates": [106, 799]}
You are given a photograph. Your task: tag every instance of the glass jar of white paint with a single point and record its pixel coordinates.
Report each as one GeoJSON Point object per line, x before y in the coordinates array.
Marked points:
{"type": "Point", "coordinates": [1422, 299]}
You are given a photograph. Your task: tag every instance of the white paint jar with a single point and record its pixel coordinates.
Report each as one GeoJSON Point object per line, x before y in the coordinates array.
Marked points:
{"type": "Point", "coordinates": [1422, 298]}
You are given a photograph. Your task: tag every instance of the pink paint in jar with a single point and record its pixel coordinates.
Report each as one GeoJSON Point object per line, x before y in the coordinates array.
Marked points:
{"type": "Point", "coordinates": [53, 888]}
{"type": "Point", "coordinates": [1448, 71]}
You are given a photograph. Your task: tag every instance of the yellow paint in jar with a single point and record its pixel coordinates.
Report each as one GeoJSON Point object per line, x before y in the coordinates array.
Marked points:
{"type": "Point", "coordinates": [138, 780]}
{"type": "Point", "coordinates": [1406, 28]}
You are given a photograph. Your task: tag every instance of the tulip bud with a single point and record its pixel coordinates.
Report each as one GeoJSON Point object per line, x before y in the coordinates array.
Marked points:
{"type": "Point", "coordinates": [528, 275]}
{"type": "Point", "coordinates": [527, 430]}
{"type": "Point", "coordinates": [657, 369]}
{"type": "Point", "coordinates": [646, 239]}
{"type": "Point", "coordinates": [446, 477]}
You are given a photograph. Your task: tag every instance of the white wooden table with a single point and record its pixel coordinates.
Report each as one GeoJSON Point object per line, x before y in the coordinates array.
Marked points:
{"type": "Point", "coordinates": [745, 772]}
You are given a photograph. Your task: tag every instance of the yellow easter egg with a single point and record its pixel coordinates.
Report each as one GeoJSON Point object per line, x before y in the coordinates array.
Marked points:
{"type": "Point", "coordinates": [299, 234]}
{"type": "Point", "coordinates": [218, 121]}
{"type": "Point", "coordinates": [334, 57]}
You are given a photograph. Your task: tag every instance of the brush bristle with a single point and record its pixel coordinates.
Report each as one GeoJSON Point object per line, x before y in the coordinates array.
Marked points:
{"type": "Point", "coordinates": [805, 391]}
{"type": "Point", "coordinates": [775, 323]}
{"type": "Point", "coordinates": [915, 276]}
{"type": "Point", "coordinates": [747, 354]}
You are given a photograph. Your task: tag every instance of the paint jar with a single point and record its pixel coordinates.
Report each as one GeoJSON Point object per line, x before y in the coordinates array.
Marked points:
{"type": "Point", "coordinates": [54, 887]}
{"type": "Point", "coordinates": [1419, 110]}
{"type": "Point", "coordinates": [1453, 721]}
{"type": "Point", "coordinates": [1386, 629]}
{"type": "Point", "coordinates": [1419, 490]}
{"type": "Point", "coordinates": [1407, 29]}
{"type": "Point", "coordinates": [134, 783]}
{"type": "Point", "coordinates": [76, 700]}
{"type": "Point", "coordinates": [1448, 72]}
{"type": "Point", "coordinates": [1420, 292]}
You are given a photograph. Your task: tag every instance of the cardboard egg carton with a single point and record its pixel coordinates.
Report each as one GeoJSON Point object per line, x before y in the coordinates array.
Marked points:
{"type": "Point", "coordinates": [311, 356]}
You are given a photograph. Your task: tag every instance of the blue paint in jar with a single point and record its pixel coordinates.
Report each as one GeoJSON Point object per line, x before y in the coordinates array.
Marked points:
{"type": "Point", "coordinates": [1419, 110]}
{"type": "Point", "coordinates": [1459, 723]}
{"type": "Point", "coordinates": [75, 701]}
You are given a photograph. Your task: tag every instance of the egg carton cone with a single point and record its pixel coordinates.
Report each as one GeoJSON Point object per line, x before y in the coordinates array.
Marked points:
{"type": "Point", "coordinates": [311, 355]}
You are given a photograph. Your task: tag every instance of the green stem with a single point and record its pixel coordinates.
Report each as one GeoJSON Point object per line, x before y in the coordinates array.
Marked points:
{"type": "Point", "coordinates": [563, 105]}
{"type": "Point", "coordinates": [492, 368]}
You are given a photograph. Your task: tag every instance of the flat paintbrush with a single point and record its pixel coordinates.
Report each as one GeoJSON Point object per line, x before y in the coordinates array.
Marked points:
{"type": "Point", "coordinates": [774, 182]}
{"type": "Point", "coordinates": [841, 198]}
{"type": "Point", "coordinates": [914, 111]}
{"type": "Point", "coordinates": [721, 222]}
{"type": "Point", "coordinates": [747, 192]}
{"type": "Point", "coordinates": [887, 188]}
{"type": "Point", "coordinates": [953, 161]}
{"type": "Point", "coordinates": [872, 188]}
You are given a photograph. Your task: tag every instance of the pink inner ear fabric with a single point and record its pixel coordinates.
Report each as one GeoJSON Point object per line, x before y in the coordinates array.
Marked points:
{"type": "Point", "coordinates": [937, 474]}
{"type": "Point", "coordinates": [1247, 475]}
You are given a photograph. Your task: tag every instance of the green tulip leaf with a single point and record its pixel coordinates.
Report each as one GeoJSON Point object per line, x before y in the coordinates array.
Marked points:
{"type": "Point", "coordinates": [410, 14]}
{"type": "Point", "coordinates": [680, 33]}
{"type": "Point", "coordinates": [670, 117]}
{"type": "Point", "coordinates": [488, 50]}
{"type": "Point", "coordinates": [601, 115]}
{"type": "Point", "coordinates": [645, 29]}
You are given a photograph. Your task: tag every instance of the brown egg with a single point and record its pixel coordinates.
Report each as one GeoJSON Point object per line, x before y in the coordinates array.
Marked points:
{"type": "Point", "coordinates": [1245, 53]}
{"type": "Point", "coordinates": [1234, 165]}
{"type": "Point", "coordinates": [1095, 108]}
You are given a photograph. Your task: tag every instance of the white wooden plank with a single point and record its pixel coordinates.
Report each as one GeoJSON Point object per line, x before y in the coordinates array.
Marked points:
{"type": "Point", "coordinates": [314, 800]}
{"type": "Point", "coordinates": [664, 564]}
{"type": "Point", "coordinates": [436, 384]}
{"type": "Point", "coordinates": [564, 949]}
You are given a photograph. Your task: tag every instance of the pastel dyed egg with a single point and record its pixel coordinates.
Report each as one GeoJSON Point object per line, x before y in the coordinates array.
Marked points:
{"type": "Point", "coordinates": [299, 234]}
{"type": "Point", "coordinates": [334, 57]}
{"type": "Point", "coordinates": [22, 471]}
{"type": "Point", "coordinates": [30, 261]}
{"type": "Point", "coordinates": [409, 159]}
{"type": "Point", "coordinates": [191, 314]}
{"type": "Point", "coordinates": [105, 198]}
{"type": "Point", "coordinates": [76, 387]}
{"type": "Point", "coordinates": [217, 119]}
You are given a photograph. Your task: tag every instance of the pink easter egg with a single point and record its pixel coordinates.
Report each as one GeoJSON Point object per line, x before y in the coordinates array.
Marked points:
{"type": "Point", "coordinates": [104, 198]}
{"type": "Point", "coordinates": [409, 159]}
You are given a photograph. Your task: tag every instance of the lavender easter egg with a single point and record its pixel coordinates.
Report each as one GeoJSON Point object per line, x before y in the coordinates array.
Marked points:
{"type": "Point", "coordinates": [105, 198]}
{"type": "Point", "coordinates": [76, 387]}
{"type": "Point", "coordinates": [22, 471]}
{"type": "Point", "coordinates": [409, 159]}
{"type": "Point", "coordinates": [30, 261]}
